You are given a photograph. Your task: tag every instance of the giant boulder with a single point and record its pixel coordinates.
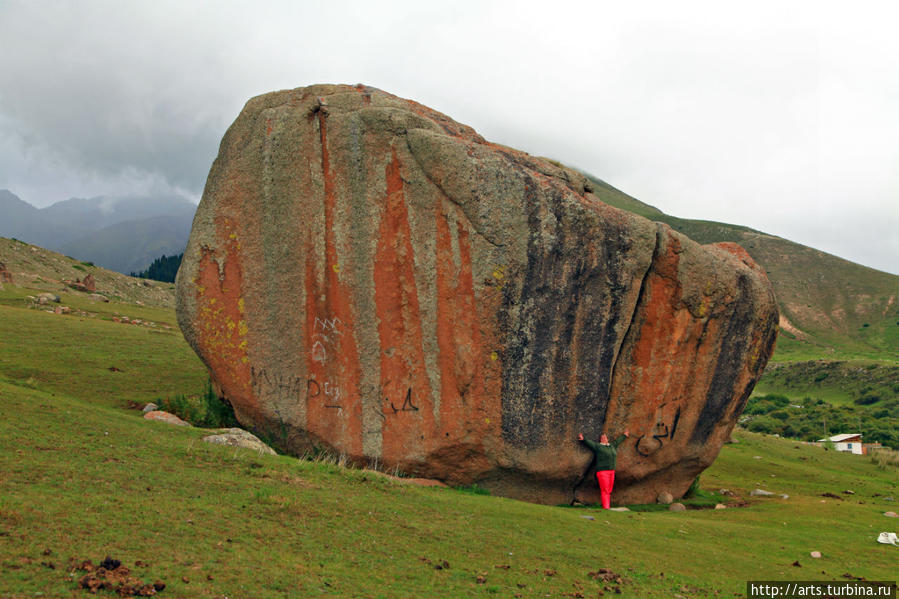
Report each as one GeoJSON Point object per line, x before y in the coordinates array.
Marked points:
{"type": "Point", "coordinates": [367, 276]}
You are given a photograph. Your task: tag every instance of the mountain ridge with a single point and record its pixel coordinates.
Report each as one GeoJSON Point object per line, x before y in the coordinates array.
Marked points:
{"type": "Point", "coordinates": [122, 233]}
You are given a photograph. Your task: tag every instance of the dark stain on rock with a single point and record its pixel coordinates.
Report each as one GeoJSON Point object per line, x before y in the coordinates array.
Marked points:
{"type": "Point", "coordinates": [563, 343]}
{"type": "Point", "coordinates": [729, 364]}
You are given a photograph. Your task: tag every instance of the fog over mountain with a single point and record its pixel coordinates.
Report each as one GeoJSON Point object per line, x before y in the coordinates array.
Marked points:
{"type": "Point", "coordinates": [120, 233]}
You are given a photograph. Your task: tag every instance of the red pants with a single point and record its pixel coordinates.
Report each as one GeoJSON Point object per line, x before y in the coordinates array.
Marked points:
{"type": "Point", "coordinates": [606, 480]}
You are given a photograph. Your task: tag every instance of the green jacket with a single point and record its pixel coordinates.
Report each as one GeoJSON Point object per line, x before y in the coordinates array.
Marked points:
{"type": "Point", "coordinates": [604, 455]}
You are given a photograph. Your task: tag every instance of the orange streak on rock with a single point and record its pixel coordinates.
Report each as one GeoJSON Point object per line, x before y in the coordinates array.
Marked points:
{"type": "Point", "coordinates": [221, 330]}
{"type": "Point", "coordinates": [658, 382]}
{"type": "Point", "coordinates": [461, 351]}
{"type": "Point", "coordinates": [466, 412]}
{"type": "Point", "coordinates": [661, 300]}
{"type": "Point", "coordinates": [406, 393]}
{"type": "Point", "coordinates": [333, 402]}
{"type": "Point", "coordinates": [452, 412]}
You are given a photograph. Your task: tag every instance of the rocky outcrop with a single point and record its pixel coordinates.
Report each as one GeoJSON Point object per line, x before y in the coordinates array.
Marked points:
{"type": "Point", "coordinates": [368, 276]}
{"type": "Point", "coordinates": [88, 285]}
{"type": "Point", "coordinates": [167, 417]}
{"type": "Point", "coordinates": [5, 275]}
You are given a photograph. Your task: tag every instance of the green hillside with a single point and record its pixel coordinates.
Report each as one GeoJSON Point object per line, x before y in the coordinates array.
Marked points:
{"type": "Point", "coordinates": [84, 477]}
{"type": "Point", "coordinates": [131, 246]}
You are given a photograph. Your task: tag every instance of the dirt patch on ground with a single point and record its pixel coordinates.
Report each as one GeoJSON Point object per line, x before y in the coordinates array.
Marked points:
{"type": "Point", "coordinates": [112, 575]}
{"type": "Point", "coordinates": [420, 482]}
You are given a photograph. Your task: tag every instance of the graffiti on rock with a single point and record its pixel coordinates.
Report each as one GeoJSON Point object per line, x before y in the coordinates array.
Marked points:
{"type": "Point", "coordinates": [407, 406]}
{"type": "Point", "coordinates": [329, 391]}
{"type": "Point", "coordinates": [283, 387]}
{"type": "Point", "coordinates": [653, 441]}
{"type": "Point", "coordinates": [326, 334]}
{"type": "Point", "coordinates": [278, 386]}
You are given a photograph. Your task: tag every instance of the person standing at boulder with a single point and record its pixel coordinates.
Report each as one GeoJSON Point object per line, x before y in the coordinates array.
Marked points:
{"type": "Point", "coordinates": [604, 454]}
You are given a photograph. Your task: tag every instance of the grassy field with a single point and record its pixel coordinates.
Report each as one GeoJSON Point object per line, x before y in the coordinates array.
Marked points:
{"type": "Point", "coordinates": [87, 355]}
{"type": "Point", "coordinates": [212, 522]}
{"type": "Point", "coordinates": [83, 477]}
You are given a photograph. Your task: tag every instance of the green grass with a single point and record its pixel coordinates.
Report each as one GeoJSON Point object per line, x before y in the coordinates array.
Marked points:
{"type": "Point", "coordinates": [98, 481]}
{"type": "Point", "coordinates": [92, 358]}
{"type": "Point", "coordinates": [82, 478]}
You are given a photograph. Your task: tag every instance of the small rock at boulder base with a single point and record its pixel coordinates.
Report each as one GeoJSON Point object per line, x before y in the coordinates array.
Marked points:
{"type": "Point", "coordinates": [237, 437]}
{"type": "Point", "coordinates": [665, 497]}
{"type": "Point", "coordinates": [677, 507]}
{"type": "Point", "coordinates": [150, 407]}
{"type": "Point", "coordinates": [366, 275]}
{"type": "Point", "coordinates": [166, 417]}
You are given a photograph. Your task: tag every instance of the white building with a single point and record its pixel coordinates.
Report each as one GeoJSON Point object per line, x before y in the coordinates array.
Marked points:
{"type": "Point", "coordinates": [849, 442]}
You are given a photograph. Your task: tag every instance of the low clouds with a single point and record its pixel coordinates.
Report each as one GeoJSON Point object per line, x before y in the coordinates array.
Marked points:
{"type": "Point", "coordinates": [779, 117]}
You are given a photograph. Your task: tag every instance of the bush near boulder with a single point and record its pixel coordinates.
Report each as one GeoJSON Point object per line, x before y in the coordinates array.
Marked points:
{"type": "Point", "coordinates": [206, 410]}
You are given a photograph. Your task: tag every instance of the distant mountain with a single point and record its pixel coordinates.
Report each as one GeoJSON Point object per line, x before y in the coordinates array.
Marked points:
{"type": "Point", "coordinates": [131, 246]}
{"type": "Point", "coordinates": [121, 233]}
{"type": "Point", "coordinates": [830, 308]}
{"type": "Point", "coordinates": [23, 221]}
{"type": "Point", "coordinates": [100, 212]}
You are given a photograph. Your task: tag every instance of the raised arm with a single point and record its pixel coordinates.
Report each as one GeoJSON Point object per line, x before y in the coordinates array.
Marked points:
{"type": "Point", "coordinates": [592, 445]}
{"type": "Point", "coordinates": [620, 439]}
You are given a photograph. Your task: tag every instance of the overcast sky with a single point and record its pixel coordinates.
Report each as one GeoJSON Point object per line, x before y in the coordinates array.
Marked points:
{"type": "Point", "coordinates": [782, 116]}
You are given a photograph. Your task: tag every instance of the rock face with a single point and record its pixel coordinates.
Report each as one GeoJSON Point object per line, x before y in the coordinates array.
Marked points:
{"type": "Point", "coordinates": [237, 437]}
{"type": "Point", "coordinates": [168, 418]}
{"type": "Point", "coordinates": [368, 276]}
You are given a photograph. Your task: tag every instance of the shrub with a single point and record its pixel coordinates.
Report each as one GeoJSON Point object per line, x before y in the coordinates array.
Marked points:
{"type": "Point", "coordinates": [206, 410]}
{"type": "Point", "coordinates": [867, 399]}
{"type": "Point", "coordinates": [473, 490]}
{"type": "Point", "coordinates": [764, 424]}
{"type": "Point", "coordinates": [778, 400]}
{"type": "Point", "coordinates": [694, 488]}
